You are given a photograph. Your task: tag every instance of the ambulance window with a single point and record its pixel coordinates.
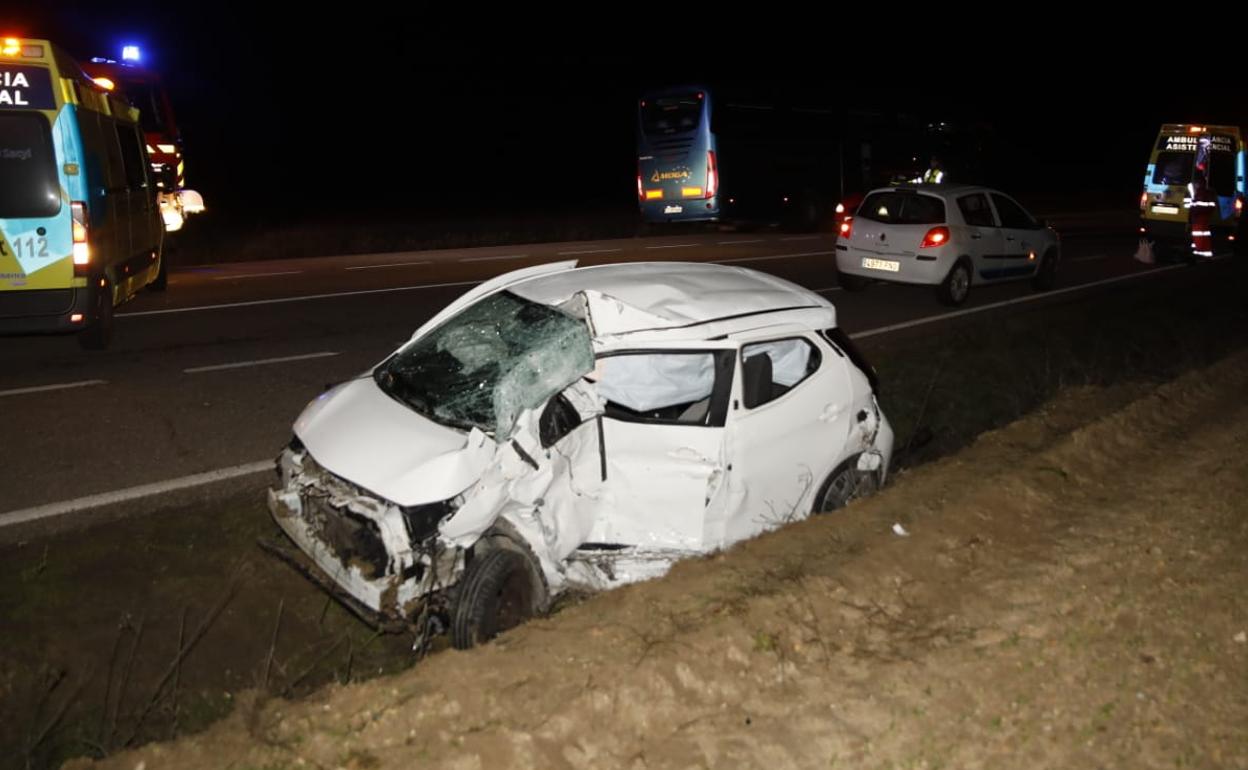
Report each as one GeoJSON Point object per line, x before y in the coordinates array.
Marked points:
{"type": "Point", "coordinates": [1173, 168]}
{"type": "Point", "coordinates": [28, 180]}
{"type": "Point", "coordinates": [132, 154]}
{"type": "Point", "coordinates": [1222, 173]}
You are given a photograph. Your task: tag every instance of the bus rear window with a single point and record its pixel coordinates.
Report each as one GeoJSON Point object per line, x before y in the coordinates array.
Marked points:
{"type": "Point", "coordinates": [903, 208]}
{"type": "Point", "coordinates": [671, 114]}
{"type": "Point", "coordinates": [1173, 168]}
{"type": "Point", "coordinates": [28, 183]}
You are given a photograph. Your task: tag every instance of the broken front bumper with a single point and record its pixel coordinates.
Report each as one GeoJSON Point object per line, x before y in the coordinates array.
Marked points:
{"type": "Point", "coordinates": [358, 550]}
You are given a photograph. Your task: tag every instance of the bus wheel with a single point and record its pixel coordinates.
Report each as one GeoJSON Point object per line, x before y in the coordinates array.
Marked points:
{"type": "Point", "coordinates": [99, 334]}
{"type": "Point", "coordinates": [161, 281]}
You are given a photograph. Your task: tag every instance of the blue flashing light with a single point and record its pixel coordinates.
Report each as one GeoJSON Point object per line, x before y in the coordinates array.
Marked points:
{"type": "Point", "coordinates": [130, 53]}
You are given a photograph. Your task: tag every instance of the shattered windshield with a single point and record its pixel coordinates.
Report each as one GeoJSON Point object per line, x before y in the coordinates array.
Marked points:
{"type": "Point", "coordinates": [485, 365]}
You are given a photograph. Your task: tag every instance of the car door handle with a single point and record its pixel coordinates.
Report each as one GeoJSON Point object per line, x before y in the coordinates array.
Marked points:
{"type": "Point", "coordinates": [976, 236]}
{"type": "Point", "coordinates": [1009, 237]}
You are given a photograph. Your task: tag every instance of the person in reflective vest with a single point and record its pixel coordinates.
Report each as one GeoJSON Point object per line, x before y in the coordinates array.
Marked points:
{"type": "Point", "coordinates": [1201, 201]}
{"type": "Point", "coordinates": [934, 174]}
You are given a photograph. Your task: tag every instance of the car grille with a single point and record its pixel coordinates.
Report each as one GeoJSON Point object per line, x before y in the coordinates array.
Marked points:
{"type": "Point", "coordinates": [355, 540]}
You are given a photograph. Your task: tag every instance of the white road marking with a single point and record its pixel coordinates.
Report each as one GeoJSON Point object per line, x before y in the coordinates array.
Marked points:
{"type": "Point", "coordinates": [254, 275]}
{"type": "Point", "coordinates": [44, 388]}
{"type": "Point", "coordinates": [675, 246]}
{"type": "Point", "coordinates": [1003, 303]}
{"type": "Point", "coordinates": [585, 251]}
{"type": "Point", "coordinates": [391, 264]}
{"type": "Point", "coordinates": [52, 510]}
{"type": "Point", "coordinates": [735, 243]}
{"type": "Point", "coordinates": [495, 258]}
{"type": "Point", "coordinates": [777, 256]}
{"type": "Point", "coordinates": [305, 298]}
{"type": "Point", "coordinates": [259, 362]}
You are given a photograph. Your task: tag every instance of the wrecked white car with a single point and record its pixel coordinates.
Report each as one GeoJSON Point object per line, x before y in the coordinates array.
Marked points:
{"type": "Point", "coordinates": [561, 428]}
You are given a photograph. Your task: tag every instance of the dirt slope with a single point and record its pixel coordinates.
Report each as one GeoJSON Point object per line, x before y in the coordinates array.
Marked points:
{"type": "Point", "coordinates": [1071, 594]}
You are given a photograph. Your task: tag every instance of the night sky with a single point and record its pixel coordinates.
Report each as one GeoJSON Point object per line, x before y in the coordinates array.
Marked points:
{"type": "Point", "coordinates": [363, 110]}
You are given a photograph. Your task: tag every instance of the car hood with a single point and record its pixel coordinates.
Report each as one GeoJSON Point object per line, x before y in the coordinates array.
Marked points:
{"type": "Point", "coordinates": [359, 433]}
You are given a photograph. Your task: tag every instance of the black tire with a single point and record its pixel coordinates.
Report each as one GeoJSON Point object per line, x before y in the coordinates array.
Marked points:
{"type": "Point", "coordinates": [161, 282]}
{"type": "Point", "coordinates": [1046, 274]}
{"type": "Point", "coordinates": [956, 287]}
{"type": "Point", "coordinates": [499, 591]}
{"type": "Point", "coordinates": [99, 333]}
{"type": "Point", "coordinates": [844, 485]}
{"type": "Point", "coordinates": [852, 282]}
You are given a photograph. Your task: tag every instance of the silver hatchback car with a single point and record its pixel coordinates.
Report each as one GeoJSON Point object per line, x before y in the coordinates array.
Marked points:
{"type": "Point", "coordinates": [947, 236]}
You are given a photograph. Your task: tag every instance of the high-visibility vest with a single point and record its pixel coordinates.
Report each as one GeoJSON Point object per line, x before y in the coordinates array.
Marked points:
{"type": "Point", "coordinates": [933, 176]}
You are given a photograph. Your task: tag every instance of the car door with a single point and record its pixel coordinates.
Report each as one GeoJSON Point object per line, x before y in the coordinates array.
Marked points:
{"type": "Point", "coordinates": [790, 420]}
{"type": "Point", "coordinates": [1021, 239]}
{"type": "Point", "coordinates": [984, 240]}
{"type": "Point", "coordinates": [663, 444]}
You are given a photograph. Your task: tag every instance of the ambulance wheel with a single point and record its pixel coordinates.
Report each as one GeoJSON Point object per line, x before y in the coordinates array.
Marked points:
{"type": "Point", "coordinates": [99, 333]}
{"type": "Point", "coordinates": [161, 281]}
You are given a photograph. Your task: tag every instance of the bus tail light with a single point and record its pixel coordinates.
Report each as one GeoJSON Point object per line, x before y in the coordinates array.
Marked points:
{"type": "Point", "coordinates": [82, 249]}
{"type": "Point", "coordinates": [937, 236]}
{"type": "Point", "coordinates": [712, 175]}
{"type": "Point", "coordinates": [641, 194]}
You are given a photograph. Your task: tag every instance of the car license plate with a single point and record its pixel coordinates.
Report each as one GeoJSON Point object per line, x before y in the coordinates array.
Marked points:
{"type": "Point", "coordinates": [881, 264]}
{"type": "Point", "coordinates": [673, 209]}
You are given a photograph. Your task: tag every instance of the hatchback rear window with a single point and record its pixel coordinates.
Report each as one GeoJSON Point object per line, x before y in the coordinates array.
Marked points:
{"type": "Point", "coordinates": [28, 182]}
{"type": "Point", "coordinates": [902, 208]}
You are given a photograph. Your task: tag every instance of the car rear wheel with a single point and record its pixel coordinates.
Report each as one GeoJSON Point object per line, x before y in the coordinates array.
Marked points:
{"type": "Point", "coordinates": [852, 282]}
{"type": "Point", "coordinates": [954, 290]}
{"type": "Point", "coordinates": [844, 485]}
{"type": "Point", "coordinates": [499, 591]}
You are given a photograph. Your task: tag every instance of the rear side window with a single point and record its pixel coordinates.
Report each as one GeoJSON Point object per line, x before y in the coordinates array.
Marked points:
{"type": "Point", "coordinates": [976, 211]}
{"type": "Point", "coordinates": [788, 363]}
{"type": "Point", "coordinates": [28, 181]}
{"type": "Point", "coordinates": [1013, 215]}
{"type": "Point", "coordinates": [903, 208]}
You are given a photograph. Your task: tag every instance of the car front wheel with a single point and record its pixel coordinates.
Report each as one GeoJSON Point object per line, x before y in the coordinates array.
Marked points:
{"type": "Point", "coordinates": [497, 592]}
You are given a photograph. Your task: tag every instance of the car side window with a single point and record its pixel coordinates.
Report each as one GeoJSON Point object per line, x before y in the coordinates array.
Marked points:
{"type": "Point", "coordinates": [976, 211]}
{"type": "Point", "coordinates": [1012, 214]}
{"type": "Point", "coordinates": [771, 369]}
{"type": "Point", "coordinates": [666, 387]}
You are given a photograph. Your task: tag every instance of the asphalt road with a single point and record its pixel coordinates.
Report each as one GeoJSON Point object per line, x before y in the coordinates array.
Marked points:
{"type": "Point", "coordinates": [211, 374]}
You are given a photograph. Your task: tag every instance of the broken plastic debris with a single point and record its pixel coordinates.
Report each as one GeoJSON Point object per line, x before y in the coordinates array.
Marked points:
{"type": "Point", "coordinates": [899, 530]}
{"type": "Point", "coordinates": [1145, 252]}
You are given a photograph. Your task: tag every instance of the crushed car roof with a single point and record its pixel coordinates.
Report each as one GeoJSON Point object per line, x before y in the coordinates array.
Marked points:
{"type": "Point", "coordinates": [675, 295]}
